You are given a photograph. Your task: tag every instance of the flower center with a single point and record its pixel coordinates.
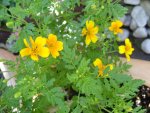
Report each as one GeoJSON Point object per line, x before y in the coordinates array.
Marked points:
{"type": "Point", "coordinates": [115, 27]}
{"type": "Point", "coordinates": [89, 32]}
{"type": "Point", "coordinates": [35, 50]}
{"type": "Point", "coordinates": [127, 48]}
{"type": "Point", "coordinates": [51, 44]}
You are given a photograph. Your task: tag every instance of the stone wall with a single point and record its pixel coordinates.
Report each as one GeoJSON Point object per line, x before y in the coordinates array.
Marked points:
{"type": "Point", "coordinates": [137, 22]}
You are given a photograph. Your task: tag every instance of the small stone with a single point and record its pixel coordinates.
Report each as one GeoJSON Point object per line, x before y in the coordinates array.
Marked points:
{"type": "Point", "coordinates": [124, 35]}
{"type": "Point", "coordinates": [122, 19]}
{"type": "Point", "coordinates": [127, 20]}
{"type": "Point", "coordinates": [145, 46]}
{"type": "Point", "coordinates": [148, 31]}
{"type": "Point", "coordinates": [140, 32]}
{"type": "Point", "coordinates": [146, 5]}
{"type": "Point", "coordinates": [139, 15]}
{"type": "Point", "coordinates": [148, 23]}
{"type": "Point", "coordinates": [133, 25]}
{"type": "Point", "coordinates": [132, 2]}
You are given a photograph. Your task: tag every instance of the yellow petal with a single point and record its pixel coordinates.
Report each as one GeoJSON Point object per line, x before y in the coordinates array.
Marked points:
{"type": "Point", "coordinates": [84, 31]}
{"type": "Point", "coordinates": [40, 41]}
{"type": "Point", "coordinates": [120, 31]}
{"type": "Point", "coordinates": [89, 24]}
{"type": "Point", "coordinates": [44, 52]}
{"type": "Point", "coordinates": [32, 41]}
{"type": "Point", "coordinates": [127, 57]}
{"type": "Point", "coordinates": [113, 24]}
{"type": "Point", "coordinates": [94, 39]}
{"type": "Point", "coordinates": [87, 40]}
{"type": "Point", "coordinates": [110, 66]}
{"type": "Point", "coordinates": [95, 30]}
{"type": "Point", "coordinates": [110, 28]}
{"type": "Point", "coordinates": [25, 52]}
{"type": "Point", "coordinates": [119, 23]}
{"type": "Point", "coordinates": [98, 63]}
{"type": "Point", "coordinates": [59, 45]}
{"type": "Point", "coordinates": [34, 57]}
{"type": "Point", "coordinates": [54, 53]}
{"type": "Point", "coordinates": [26, 43]}
{"type": "Point", "coordinates": [128, 43]}
{"type": "Point", "coordinates": [52, 38]}
{"type": "Point", "coordinates": [100, 72]}
{"type": "Point", "coordinates": [122, 49]}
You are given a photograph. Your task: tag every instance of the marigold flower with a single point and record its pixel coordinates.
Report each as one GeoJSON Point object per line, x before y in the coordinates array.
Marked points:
{"type": "Point", "coordinates": [90, 32]}
{"type": "Point", "coordinates": [54, 45]}
{"type": "Point", "coordinates": [126, 49]}
{"type": "Point", "coordinates": [35, 48]}
{"type": "Point", "coordinates": [115, 27]}
{"type": "Point", "coordinates": [102, 67]}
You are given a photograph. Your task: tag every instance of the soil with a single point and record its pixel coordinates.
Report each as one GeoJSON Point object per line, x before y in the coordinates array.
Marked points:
{"type": "Point", "coordinates": [143, 98]}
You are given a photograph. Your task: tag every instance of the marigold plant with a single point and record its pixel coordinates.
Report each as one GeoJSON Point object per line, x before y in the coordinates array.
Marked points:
{"type": "Point", "coordinates": [71, 65]}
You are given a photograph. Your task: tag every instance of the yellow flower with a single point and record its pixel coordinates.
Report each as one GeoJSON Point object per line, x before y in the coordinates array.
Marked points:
{"type": "Point", "coordinates": [115, 27]}
{"type": "Point", "coordinates": [54, 45]}
{"type": "Point", "coordinates": [35, 48]}
{"type": "Point", "coordinates": [102, 67]}
{"type": "Point", "coordinates": [126, 49]}
{"type": "Point", "coordinates": [90, 32]}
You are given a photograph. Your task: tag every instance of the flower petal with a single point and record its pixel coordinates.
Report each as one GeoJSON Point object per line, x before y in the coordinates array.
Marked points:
{"type": "Point", "coordinates": [59, 45]}
{"type": "Point", "coordinates": [32, 41]}
{"type": "Point", "coordinates": [52, 38]}
{"type": "Point", "coordinates": [34, 57]}
{"type": "Point", "coordinates": [122, 49]}
{"type": "Point", "coordinates": [120, 31]}
{"type": "Point", "coordinates": [54, 53]}
{"type": "Point", "coordinates": [26, 43]}
{"type": "Point", "coordinates": [128, 57]}
{"type": "Point", "coordinates": [40, 41]}
{"type": "Point", "coordinates": [94, 39]}
{"type": "Point", "coordinates": [95, 30]}
{"type": "Point", "coordinates": [110, 66]}
{"type": "Point", "coordinates": [87, 40]}
{"type": "Point", "coordinates": [119, 23]}
{"type": "Point", "coordinates": [44, 52]}
{"type": "Point", "coordinates": [98, 63]}
{"type": "Point", "coordinates": [25, 52]}
{"type": "Point", "coordinates": [89, 24]}
{"type": "Point", "coordinates": [128, 43]}
{"type": "Point", "coordinates": [84, 31]}
{"type": "Point", "coordinates": [110, 28]}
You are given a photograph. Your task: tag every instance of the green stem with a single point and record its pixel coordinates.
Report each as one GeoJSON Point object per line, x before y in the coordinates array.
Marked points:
{"type": "Point", "coordinates": [101, 107]}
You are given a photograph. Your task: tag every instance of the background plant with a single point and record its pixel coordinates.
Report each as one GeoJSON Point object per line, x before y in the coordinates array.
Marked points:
{"type": "Point", "coordinates": [68, 83]}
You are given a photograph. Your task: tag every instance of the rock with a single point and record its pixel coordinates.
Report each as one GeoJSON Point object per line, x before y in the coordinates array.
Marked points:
{"type": "Point", "coordinates": [140, 32]}
{"type": "Point", "coordinates": [124, 35]}
{"type": "Point", "coordinates": [145, 46]}
{"type": "Point", "coordinates": [122, 19]}
{"type": "Point", "coordinates": [127, 20]}
{"type": "Point", "coordinates": [132, 2]}
{"type": "Point", "coordinates": [146, 5]}
{"type": "Point", "coordinates": [139, 15]}
{"type": "Point", "coordinates": [148, 31]}
{"type": "Point", "coordinates": [133, 25]}
{"type": "Point", "coordinates": [148, 23]}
